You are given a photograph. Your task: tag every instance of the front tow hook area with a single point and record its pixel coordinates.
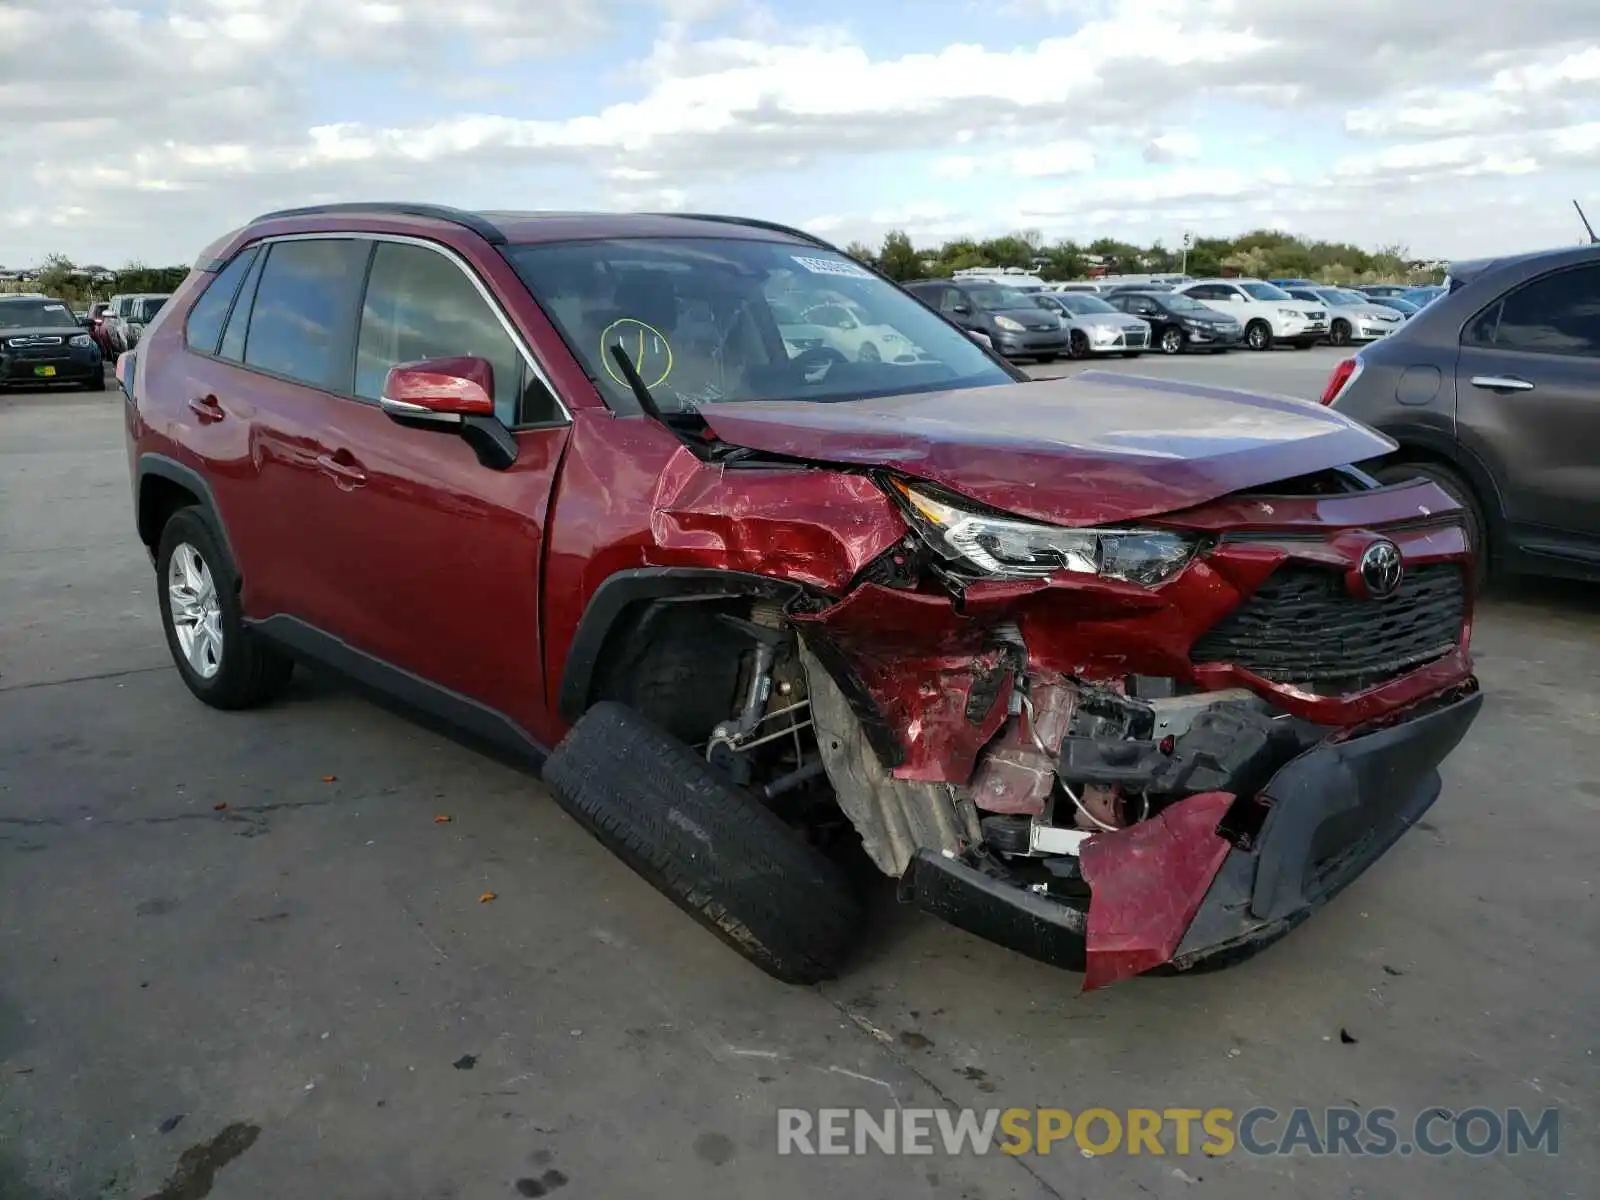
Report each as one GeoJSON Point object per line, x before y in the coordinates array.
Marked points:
{"type": "Point", "coordinates": [1173, 890]}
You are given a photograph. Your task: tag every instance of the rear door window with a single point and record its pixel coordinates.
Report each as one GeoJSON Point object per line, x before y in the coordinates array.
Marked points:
{"type": "Point", "coordinates": [1556, 314]}
{"type": "Point", "coordinates": [305, 302]}
{"type": "Point", "coordinates": [420, 305]}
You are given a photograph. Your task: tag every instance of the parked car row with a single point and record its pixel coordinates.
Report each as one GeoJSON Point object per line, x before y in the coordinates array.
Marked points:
{"type": "Point", "coordinates": [1129, 319]}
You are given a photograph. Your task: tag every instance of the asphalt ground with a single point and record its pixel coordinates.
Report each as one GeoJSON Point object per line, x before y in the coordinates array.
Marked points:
{"type": "Point", "coordinates": [240, 957]}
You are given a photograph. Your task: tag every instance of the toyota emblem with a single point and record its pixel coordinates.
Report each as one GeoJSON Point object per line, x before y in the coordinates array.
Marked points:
{"type": "Point", "coordinates": [1382, 568]}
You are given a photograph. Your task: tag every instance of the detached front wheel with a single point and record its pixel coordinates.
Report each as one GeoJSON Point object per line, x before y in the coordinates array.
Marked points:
{"type": "Point", "coordinates": [712, 849]}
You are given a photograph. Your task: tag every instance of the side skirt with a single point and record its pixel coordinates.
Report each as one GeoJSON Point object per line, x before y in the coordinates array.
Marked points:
{"type": "Point", "coordinates": [459, 715]}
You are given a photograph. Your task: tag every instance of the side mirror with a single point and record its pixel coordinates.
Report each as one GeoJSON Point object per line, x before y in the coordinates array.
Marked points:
{"type": "Point", "coordinates": [440, 390]}
{"type": "Point", "coordinates": [962, 310]}
{"type": "Point", "coordinates": [455, 394]}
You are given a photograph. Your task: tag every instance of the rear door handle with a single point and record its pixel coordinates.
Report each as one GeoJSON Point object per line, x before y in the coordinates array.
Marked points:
{"type": "Point", "coordinates": [207, 408]}
{"type": "Point", "coordinates": [1501, 383]}
{"type": "Point", "coordinates": [344, 471]}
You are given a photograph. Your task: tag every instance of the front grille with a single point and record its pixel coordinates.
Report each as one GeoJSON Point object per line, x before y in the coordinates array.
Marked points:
{"type": "Point", "coordinates": [1303, 626]}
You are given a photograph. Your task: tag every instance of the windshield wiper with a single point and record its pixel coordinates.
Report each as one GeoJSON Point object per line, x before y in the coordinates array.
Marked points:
{"type": "Point", "coordinates": [677, 421]}
{"type": "Point", "coordinates": [687, 425]}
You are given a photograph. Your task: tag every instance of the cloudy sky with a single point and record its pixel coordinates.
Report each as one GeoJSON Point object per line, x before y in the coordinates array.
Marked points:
{"type": "Point", "coordinates": [143, 128]}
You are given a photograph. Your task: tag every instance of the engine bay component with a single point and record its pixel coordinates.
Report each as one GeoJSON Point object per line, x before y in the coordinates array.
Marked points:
{"type": "Point", "coordinates": [1229, 746]}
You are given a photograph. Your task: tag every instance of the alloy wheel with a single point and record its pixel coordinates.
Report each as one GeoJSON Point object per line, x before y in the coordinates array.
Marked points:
{"type": "Point", "coordinates": [1171, 341]}
{"type": "Point", "coordinates": [196, 610]}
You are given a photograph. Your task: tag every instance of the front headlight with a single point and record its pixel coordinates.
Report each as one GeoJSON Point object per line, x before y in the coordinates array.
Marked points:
{"type": "Point", "coordinates": [80, 340]}
{"type": "Point", "coordinates": [1104, 333]}
{"type": "Point", "coordinates": [1008, 548]}
{"type": "Point", "coordinates": [1009, 325]}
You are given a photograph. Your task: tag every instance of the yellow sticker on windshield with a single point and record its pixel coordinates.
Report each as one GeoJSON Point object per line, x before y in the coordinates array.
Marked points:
{"type": "Point", "coordinates": [647, 349]}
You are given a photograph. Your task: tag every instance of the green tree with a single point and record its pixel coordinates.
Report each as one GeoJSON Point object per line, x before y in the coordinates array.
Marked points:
{"type": "Point", "coordinates": [899, 259]}
{"type": "Point", "coordinates": [862, 253]}
{"type": "Point", "coordinates": [56, 278]}
{"type": "Point", "coordinates": [1065, 261]}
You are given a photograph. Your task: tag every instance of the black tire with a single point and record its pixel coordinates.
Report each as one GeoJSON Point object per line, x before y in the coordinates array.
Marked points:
{"type": "Point", "coordinates": [1339, 333]}
{"type": "Point", "coordinates": [97, 384]}
{"type": "Point", "coordinates": [1077, 344]}
{"type": "Point", "coordinates": [1258, 336]}
{"type": "Point", "coordinates": [710, 848]}
{"type": "Point", "coordinates": [1173, 340]}
{"type": "Point", "coordinates": [1461, 492]}
{"type": "Point", "coordinates": [250, 671]}
{"type": "Point", "coordinates": [869, 353]}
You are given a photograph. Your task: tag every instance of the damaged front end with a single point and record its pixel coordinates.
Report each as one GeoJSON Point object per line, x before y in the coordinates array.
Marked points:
{"type": "Point", "coordinates": [1121, 749]}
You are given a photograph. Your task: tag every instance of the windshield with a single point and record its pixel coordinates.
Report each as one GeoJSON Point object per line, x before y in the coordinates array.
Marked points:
{"type": "Point", "coordinates": [993, 298]}
{"type": "Point", "coordinates": [1265, 291]}
{"type": "Point", "coordinates": [1178, 302]}
{"type": "Point", "coordinates": [1339, 298]}
{"type": "Point", "coordinates": [1081, 305]}
{"type": "Point", "coordinates": [145, 310]}
{"type": "Point", "coordinates": [36, 314]}
{"type": "Point", "coordinates": [709, 320]}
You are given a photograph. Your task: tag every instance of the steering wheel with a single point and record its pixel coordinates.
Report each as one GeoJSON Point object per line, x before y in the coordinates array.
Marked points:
{"type": "Point", "coordinates": [818, 358]}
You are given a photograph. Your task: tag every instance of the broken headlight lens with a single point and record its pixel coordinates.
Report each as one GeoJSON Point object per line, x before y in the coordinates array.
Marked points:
{"type": "Point", "coordinates": [1008, 548]}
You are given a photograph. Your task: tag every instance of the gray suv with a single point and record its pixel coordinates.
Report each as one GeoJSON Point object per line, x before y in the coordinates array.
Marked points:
{"type": "Point", "coordinates": [1493, 392]}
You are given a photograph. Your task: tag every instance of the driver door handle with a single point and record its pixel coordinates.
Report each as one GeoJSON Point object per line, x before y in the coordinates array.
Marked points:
{"type": "Point", "coordinates": [207, 408]}
{"type": "Point", "coordinates": [342, 469]}
{"type": "Point", "coordinates": [1501, 383]}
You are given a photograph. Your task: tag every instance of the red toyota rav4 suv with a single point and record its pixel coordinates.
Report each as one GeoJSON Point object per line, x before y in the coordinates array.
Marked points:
{"type": "Point", "coordinates": [1113, 671]}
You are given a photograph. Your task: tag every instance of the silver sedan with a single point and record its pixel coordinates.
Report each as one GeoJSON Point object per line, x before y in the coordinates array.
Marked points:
{"type": "Point", "coordinates": [1352, 317]}
{"type": "Point", "coordinates": [1094, 327]}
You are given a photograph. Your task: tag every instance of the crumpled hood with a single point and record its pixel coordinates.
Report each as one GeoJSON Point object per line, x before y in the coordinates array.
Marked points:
{"type": "Point", "coordinates": [1087, 449]}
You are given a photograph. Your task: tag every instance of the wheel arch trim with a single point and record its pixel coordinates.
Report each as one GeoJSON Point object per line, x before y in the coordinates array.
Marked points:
{"type": "Point", "coordinates": [162, 467]}
{"type": "Point", "coordinates": [621, 591]}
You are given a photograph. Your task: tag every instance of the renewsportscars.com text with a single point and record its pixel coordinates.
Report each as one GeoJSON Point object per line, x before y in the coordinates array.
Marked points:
{"type": "Point", "coordinates": [1432, 1132]}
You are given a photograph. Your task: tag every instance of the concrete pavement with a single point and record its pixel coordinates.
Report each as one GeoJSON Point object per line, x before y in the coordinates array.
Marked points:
{"type": "Point", "coordinates": [239, 956]}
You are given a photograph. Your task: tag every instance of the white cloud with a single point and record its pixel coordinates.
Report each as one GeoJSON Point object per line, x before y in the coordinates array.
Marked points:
{"type": "Point", "coordinates": [169, 122]}
{"type": "Point", "coordinates": [1180, 144]}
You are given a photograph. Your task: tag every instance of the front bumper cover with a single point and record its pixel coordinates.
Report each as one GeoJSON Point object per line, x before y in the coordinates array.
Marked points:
{"type": "Point", "coordinates": [1173, 890]}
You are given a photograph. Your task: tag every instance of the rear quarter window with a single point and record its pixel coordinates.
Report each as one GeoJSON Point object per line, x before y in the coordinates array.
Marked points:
{"type": "Point", "coordinates": [203, 330]}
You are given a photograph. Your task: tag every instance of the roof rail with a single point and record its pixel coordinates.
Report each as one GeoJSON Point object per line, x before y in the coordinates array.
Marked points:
{"type": "Point", "coordinates": [754, 223]}
{"type": "Point", "coordinates": [487, 230]}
